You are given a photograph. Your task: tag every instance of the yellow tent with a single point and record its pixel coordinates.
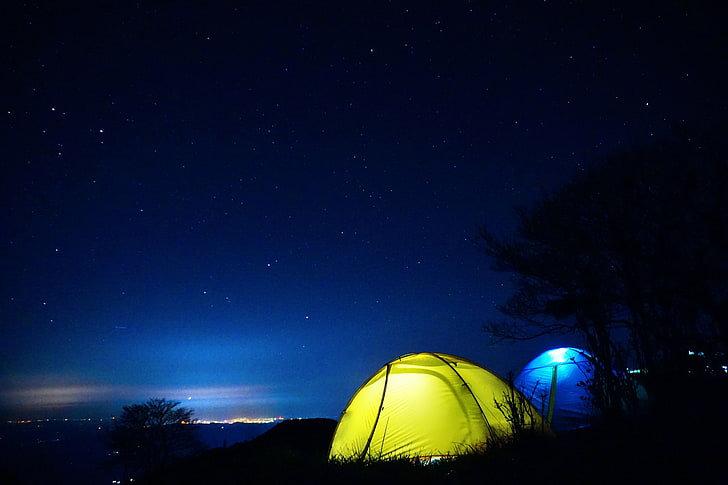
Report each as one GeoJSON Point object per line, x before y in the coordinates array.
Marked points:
{"type": "Point", "coordinates": [425, 405]}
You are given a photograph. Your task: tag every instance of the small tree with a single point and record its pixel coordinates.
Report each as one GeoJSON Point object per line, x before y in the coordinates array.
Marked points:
{"type": "Point", "coordinates": [147, 436]}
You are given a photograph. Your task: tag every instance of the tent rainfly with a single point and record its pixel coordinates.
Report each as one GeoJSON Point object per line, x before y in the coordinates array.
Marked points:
{"type": "Point", "coordinates": [555, 383]}
{"type": "Point", "coordinates": [423, 406]}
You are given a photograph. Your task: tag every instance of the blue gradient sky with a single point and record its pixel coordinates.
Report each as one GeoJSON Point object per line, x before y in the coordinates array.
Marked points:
{"type": "Point", "coordinates": [257, 205]}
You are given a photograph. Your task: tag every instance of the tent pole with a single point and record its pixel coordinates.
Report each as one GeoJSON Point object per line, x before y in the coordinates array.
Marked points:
{"type": "Point", "coordinates": [379, 413]}
{"type": "Point", "coordinates": [470, 391]}
{"type": "Point", "coordinates": [552, 395]}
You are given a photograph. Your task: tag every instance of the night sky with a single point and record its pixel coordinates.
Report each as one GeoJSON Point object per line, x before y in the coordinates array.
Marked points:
{"type": "Point", "coordinates": [252, 206]}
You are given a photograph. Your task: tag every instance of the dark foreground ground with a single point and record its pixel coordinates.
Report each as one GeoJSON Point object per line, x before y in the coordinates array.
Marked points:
{"type": "Point", "coordinates": [681, 448]}
{"type": "Point", "coordinates": [685, 442]}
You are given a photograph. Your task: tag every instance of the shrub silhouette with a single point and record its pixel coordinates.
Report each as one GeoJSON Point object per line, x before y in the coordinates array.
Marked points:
{"type": "Point", "coordinates": [148, 436]}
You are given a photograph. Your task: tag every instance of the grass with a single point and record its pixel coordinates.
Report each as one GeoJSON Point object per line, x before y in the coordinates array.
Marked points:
{"type": "Point", "coordinates": [679, 445]}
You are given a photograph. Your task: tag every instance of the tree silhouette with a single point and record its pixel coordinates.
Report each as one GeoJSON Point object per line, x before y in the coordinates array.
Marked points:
{"type": "Point", "coordinates": [632, 255]}
{"type": "Point", "coordinates": [147, 436]}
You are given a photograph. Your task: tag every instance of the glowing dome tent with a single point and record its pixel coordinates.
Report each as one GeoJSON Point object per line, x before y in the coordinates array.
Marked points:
{"type": "Point", "coordinates": [555, 383]}
{"type": "Point", "coordinates": [423, 405]}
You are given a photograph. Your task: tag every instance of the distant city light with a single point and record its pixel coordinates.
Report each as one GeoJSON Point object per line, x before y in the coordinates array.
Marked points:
{"type": "Point", "coordinates": [245, 420]}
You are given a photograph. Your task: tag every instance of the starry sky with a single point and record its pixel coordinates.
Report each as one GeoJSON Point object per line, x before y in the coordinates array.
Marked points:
{"type": "Point", "coordinates": [252, 206]}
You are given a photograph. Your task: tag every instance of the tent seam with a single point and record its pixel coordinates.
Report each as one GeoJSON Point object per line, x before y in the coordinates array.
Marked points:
{"type": "Point", "coordinates": [480, 408]}
{"type": "Point", "coordinates": [379, 413]}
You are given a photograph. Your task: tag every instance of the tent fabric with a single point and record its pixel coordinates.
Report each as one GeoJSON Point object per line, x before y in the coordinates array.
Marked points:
{"type": "Point", "coordinates": [422, 405]}
{"type": "Point", "coordinates": [555, 383]}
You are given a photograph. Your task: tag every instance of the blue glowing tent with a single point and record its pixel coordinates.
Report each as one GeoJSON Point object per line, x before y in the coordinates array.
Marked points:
{"type": "Point", "coordinates": [555, 383]}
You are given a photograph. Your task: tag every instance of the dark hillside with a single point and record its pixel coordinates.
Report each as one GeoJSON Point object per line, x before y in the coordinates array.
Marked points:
{"type": "Point", "coordinates": [305, 436]}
